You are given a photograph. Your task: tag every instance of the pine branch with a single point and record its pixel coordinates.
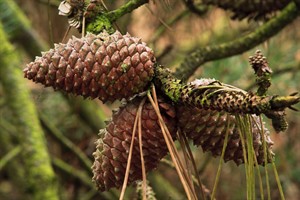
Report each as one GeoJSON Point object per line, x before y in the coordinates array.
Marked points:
{"type": "Point", "coordinates": [219, 96]}
{"type": "Point", "coordinates": [105, 20]}
{"type": "Point", "coordinates": [125, 9]}
{"type": "Point", "coordinates": [41, 181]}
{"type": "Point", "coordinates": [237, 46]}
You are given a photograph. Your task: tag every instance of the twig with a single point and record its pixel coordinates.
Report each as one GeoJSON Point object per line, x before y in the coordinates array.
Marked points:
{"type": "Point", "coordinates": [105, 20]}
{"type": "Point", "coordinates": [76, 173]}
{"type": "Point", "coordinates": [51, 129]}
{"type": "Point", "coordinates": [127, 8]}
{"type": "Point", "coordinates": [162, 28]}
{"type": "Point", "coordinates": [237, 46]}
{"type": "Point", "coordinates": [9, 156]}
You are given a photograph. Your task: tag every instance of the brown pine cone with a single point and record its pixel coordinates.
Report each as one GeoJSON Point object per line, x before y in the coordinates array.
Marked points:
{"type": "Point", "coordinates": [207, 128]}
{"type": "Point", "coordinates": [113, 145]}
{"type": "Point", "coordinates": [251, 9]}
{"type": "Point", "coordinates": [108, 67]}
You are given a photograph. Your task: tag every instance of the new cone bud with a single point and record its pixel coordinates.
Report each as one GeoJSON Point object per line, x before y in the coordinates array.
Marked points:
{"type": "Point", "coordinates": [108, 67]}
{"type": "Point", "coordinates": [113, 146]}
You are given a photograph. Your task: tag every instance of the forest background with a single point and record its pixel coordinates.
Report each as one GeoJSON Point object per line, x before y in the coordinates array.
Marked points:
{"type": "Point", "coordinates": [173, 31]}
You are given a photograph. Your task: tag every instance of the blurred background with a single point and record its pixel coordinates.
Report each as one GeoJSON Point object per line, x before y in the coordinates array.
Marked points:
{"type": "Point", "coordinates": [173, 32]}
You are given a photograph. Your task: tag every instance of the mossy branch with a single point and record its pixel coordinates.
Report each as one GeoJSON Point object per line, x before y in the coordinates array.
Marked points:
{"type": "Point", "coordinates": [237, 46]}
{"type": "Point", "coordinates": [105, 20]}
{"type": "Point", "coordinates": [127, 8]}
{"type": "Point", "coordinates": [40, 178]}
{"type": "Point", "coordinates": [219, 96]}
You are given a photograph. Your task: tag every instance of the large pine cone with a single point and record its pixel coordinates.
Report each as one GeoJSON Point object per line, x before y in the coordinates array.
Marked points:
{"type": "Point", "coordinates": [207, 128]}
{"type": "Point", "coordinates": [251, 9]}
{"type": "Point", "coordinates": [113, 145]}
{"type": "Point", "coordinates": [106, 66]}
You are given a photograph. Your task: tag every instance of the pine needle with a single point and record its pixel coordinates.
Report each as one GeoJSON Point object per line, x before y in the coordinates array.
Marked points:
{"type": "Point", "coordinates": [194, 165]}
{"type": "Point", "coordinates": [172, 149]}
{"type": "Point", "coordinates": [187, 159]}
{"type": "Point", "coordinates": [131, 150]}
{"type": "Point", "coordinates": [247, 144]}
{"type": "Point", "coordinates": [66, 34]}
{"type": "Point", "coordinates": [83, 27]}
{"type": "Point", "coordinates": [261, 128]}
{"type": "Point", "coordinates": [251, 154]}
{"type": "Point", "coordinates": [160, 19]}
{"type": "Point", "coordinates": [261, 189]}
{"type": "Point", "coordinates": [266, 161]}
{"type": "Point", "coordinates": [144, 183]}
{"type": "Point", "coordinates": [50, 23]}
{"type": "Point", "coordinates": [278, 181]}
{"type": "Point", "coordinates": [220, 162]}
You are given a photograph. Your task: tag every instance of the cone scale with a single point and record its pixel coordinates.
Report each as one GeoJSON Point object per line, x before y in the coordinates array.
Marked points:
{"type": "Point", "coordinates": [207, 128]}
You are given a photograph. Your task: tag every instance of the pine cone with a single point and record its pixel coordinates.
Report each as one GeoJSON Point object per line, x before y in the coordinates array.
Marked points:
{"type": "Point", "coordinates": [223, 97]}
{"type": "Point", "coordinates": [208, 128]}
{"type": "Point", "coordinates": [251, 9]}
{"type": "Point", "coordinates": [106, 66]}
{"type": "Point", "coordinates": [114, 143]}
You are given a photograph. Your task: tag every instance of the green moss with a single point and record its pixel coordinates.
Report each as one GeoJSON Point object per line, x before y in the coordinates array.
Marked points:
{"type": "Point", "coordinates": [100, 23]}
